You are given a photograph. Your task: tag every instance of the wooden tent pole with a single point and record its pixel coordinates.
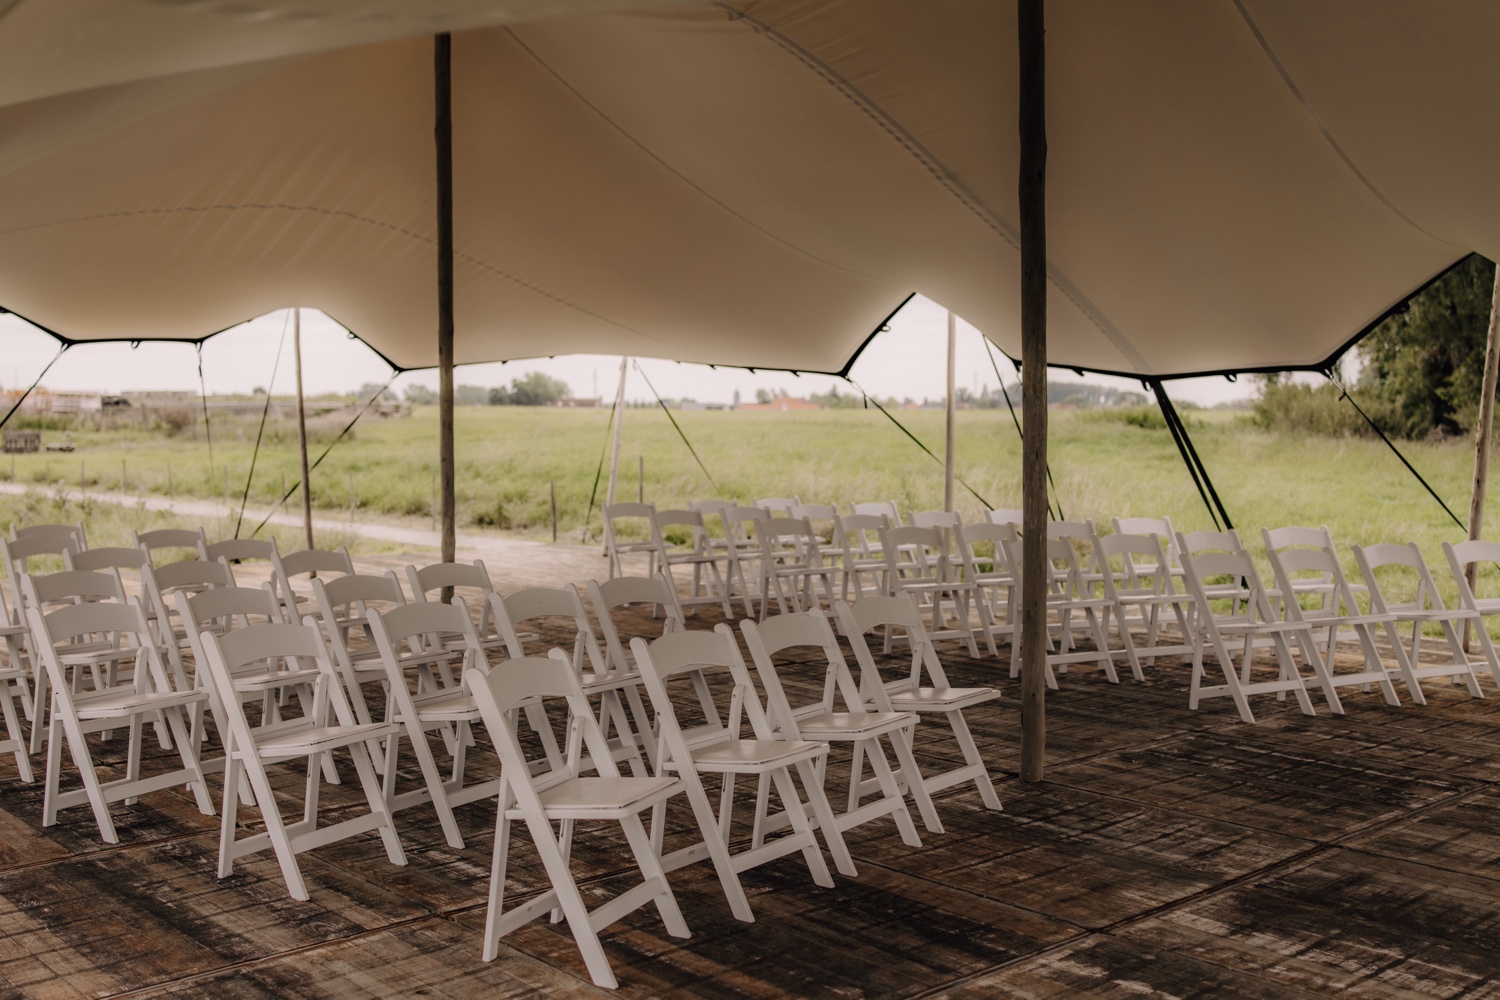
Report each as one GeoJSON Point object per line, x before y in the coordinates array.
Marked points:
{"type": "Point", "coordinates": [443, 133]}
{"type": "Point", "coordinates": [1033, 206]}
{"type": "Point", "coordinates": [302, 428]}
{"type": "Point", "coordinates": [614, 455]}
{"type": "Point", "coordinates": [1482, 435]}
{"type": "Point", "coordinates": [948, 447]}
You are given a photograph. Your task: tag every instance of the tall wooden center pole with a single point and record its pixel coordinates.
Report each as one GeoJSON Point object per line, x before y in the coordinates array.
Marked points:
{"type": "Point", "coordinates": [1033, 187]}
{"type": "Point", "coordinates": [1482, 436]}
{"type": "Point", "coordinates": [948, 447]}
{"type": "Point", "coordinates": [302, 428]}
{"type": "Point", "coordinates": [442, 52]}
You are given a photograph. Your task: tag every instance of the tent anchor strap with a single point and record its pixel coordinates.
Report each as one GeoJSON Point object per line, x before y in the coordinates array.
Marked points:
{"type": "Point", "coordinates": [915, 440]}
{"type": "Point", "coordinates": [1196, 469]}
{"type": "Point", "coordinates": [1056, 501]}
{"type": "Point", "coordinates": [1344, 394]}
{"type": "Point", "coordinates": [38, 381]}
{"type": "Point", "coordinates": [693, 451]}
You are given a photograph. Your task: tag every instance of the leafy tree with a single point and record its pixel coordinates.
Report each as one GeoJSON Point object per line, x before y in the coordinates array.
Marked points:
{"type": "Point", "coordinates": [535, 389]}
{"type": "Point", "coordinates": [1425, 366]}
{"type": "Point", "coordinates": [420, 395]}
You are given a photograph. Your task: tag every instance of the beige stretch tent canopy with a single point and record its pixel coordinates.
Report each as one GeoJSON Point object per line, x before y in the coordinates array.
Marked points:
{"type": "Point", "coordinates": [1233, 184]}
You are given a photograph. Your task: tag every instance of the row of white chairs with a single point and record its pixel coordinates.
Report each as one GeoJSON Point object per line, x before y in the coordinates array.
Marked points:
{"type": "Point", "coordinates": [116, 661]}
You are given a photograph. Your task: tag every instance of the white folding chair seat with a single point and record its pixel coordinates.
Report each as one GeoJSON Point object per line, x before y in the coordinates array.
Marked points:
{"type": "Point", "coordinates": [720, 749]}
{"type": "Point", "coordinates": [681, 538]}
{"type": "Point", "coordinates": [562, 795]}
{"type": "Point", "coordinates": [860, 725]}
{"type": "Point", "coordinates": [331, 726]}
{"type": "Point", "coordinates": [929, 577]}
{"type": "Point", "coordinates": [791, 555]}
{"type": "Point", "coordinates": [1215, 630]}
{"type": "Point", "coordinates": [597, 676]}
{"type": "Point", "coordinates": [73, 717]}
{"type": "Point", "coordinates": [308, 563]}
{"type": "Point", "coordinates": [924, 688]}
{"type": "Point", "coordinates": [1425, 608]}
{"type": "Point", "coordinates": [617, 548]}
{"type": "Point", "coordinates": [421, 711]}
{"type": "Point", "coordinates": [1460, 558]}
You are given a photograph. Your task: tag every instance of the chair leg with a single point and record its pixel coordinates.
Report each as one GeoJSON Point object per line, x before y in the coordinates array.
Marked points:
{"type": "Point", "coordinates": [892, 791]}
{"type": "Point", "coordinates": [901, 742]}
{"type": "Point", "coordinates": [498, 858]}
{"type": "Point", "coordinates": [650, 865]}
{"type": "Point", "coordinates": [281, 843]}
{"type": "Point", "coordinates": [965, 739]}
{"type": "Point", "coordinates": [571, 902]}
{"type": "Point", "coordinates": [792, 802]}
{"type": "Point", "coordinates": [832, 836]}
{"type": "Point", "coordinates": [718, 850]}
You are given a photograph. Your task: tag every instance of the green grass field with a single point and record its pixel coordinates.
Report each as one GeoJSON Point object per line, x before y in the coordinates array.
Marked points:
{"type": "Point", "coordinates": [508, 456]}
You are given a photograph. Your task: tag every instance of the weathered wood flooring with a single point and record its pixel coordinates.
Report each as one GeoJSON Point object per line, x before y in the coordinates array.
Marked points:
{"type": "Point", "coordinates": [1169, 854]}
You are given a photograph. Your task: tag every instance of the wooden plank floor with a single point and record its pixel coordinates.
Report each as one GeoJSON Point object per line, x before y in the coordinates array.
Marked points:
{"type": "Point", "coordinates": [1169, 854]}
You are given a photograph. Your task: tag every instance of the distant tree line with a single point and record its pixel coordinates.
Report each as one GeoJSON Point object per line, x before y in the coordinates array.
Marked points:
{"type": "Point", "coordinates": [535, 389]}
{"type": "Point", "coordinates": [1423, 368]}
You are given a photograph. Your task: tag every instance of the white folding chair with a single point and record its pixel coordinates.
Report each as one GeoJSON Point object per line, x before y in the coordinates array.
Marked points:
{"type": "Point", "coordinates": [1335, 611]}
{"type": "Point", "coordinates": [743, 554]}
{"type": "Point", "coordinates": [624, 592]}
{"type": "Point", "coordinates": [343, 606]}
{"type": "Point", "coordinates": [561, 794]}
{"type": "Point", "coordinates": [1149, 593]}
{"type": "Point", "coordinates": [411, 626]}
{"type": "Point", "coordinates": [930, 577]}
{"type": "Point", "coordinates": [1308, 582]}
{"type": "Point", "coordinates": [169, 539]}
{"type": "Point", "coordinates": [909, 693]}
{"type": "Point", "coordinates": [982, 553]}
{"type": "Point", "coordinates": [791, 555]}
{"type": "Point", "coordinates": [717, 747]}
{"type": "Point", "coordinates": [1223, 557]}
{"type": "Point", "coordinates": [74, 715]}
{"type": "Point", "coordinates": [615, 544]}
{"type": "Point", "coordinates": [249, 751]}
{"type": "Point", "coordinates": [598, 676]}
{"type": "Point", "coordinates": [160, 583]}
{"type": "Point", "coordinates": [1071, 598]}
{"type": "Point", "coordinates": [857, 542]}
{"type": "Point", "coordinates": [858, 724]}
{"type": "Point", "coordinates": [308, 563]}
{"type": "Point", "coordinates": [1425, 607]}
{"type": "Point", "coordinates": [1460, 558]}
{"type": "Point", "coordinates": [682, 540]}
{"type": "Point", "coordinates": [473, 577]}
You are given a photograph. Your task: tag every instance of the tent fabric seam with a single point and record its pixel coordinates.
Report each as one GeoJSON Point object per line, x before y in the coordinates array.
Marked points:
{"type": "Point", "coordinates": [1313, 116]}
{"type": "Point", "coordinates": [940, 172]}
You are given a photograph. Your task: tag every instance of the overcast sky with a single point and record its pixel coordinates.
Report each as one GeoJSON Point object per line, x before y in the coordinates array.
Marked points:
{"type": "Point", "coordinates": [907, 361]}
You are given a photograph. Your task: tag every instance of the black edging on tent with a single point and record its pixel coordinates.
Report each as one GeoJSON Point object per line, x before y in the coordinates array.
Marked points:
{"type": "Point", "coordinates": [1190, 456]}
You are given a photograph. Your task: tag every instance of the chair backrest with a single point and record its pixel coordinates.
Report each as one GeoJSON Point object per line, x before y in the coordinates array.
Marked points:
{"type": "Point", "coordinates": [416, 625]}
{"type": "Point", "coordinates": [106, 558]}
{"type": "Point", "coordinates": [665, 523]}
{"type": "Point", "coordinates": [448, 574]}
{"type": "Point", "coordinates": [71, 587]}
{"type": "Point", "coordinates": [299, 647]}
{"type": "Point", "coordinates": [858, 535]}
{"type": "Point", "coordinates": [1461, 557]}
{"type": "Point", "coordinates": [1199, 542]}
{"type": "Point", "coordinates": [355, 589]}
{"type": "Point", "coordinates": [1160, 527]}
{"type": "Point", "coordinates": [886, 507]}
{"type": "Point", "coordinates": [124, 622]}
{"type": "Point", "coordinates": [985, 544]}
{"type": "Point", "coordinates": [238, 549]}
{"type": "Point", "coordinates": [928, 549]}
{"type": "Point", "coordinates": [1136, 551]}
{"type": "Point", "coordinates": [1290, 537]}
{"type": "Point", "coordinates": [785, 537]}
{"type": "Point", "coordinates": [625, 511]}
{"type": "Point", "coordinates": [40, 530]}
{"type": "Point", "coordinates": [814, 511]}
{"type": "Point", "coordinates": [778, 505]}
{"type": "Point", "coordinates": [1210, 558]}
{"type": "Point", "coordinates": [18, 552]}
{"type": "Point", "coordinates": [514, 610]}
{"type": "Point", "coordinates": [194, 574]}
{"type": "Point", "coordinates": [223, 610]}
{"type": "Point", "coordinates": [168, 538]}
{"type": "Point", "coordinates": [1006, 515]}
{"type": "Point", "coordinates": [1295, 563]}
{"type": "Point", "coordinates": [945, 519]}
{"type": "Point", "coordinates": [1373, 558]}
{"type": "Point", "coordinates": [737, 521]}
{"type": "Point", "coordinates": [498, 693]}
{"type": "Point", "coordinates": [313, 561]}
{"type": "Point", "coordinates": [624, 591]}
{"type": "Point", "coordinates": [804, 630]}
{"type": "Point", "coordinates": [711, 510]}
{"type": "Point", "coordinates": [699, 656]}
{"type": "Point", "coordinates": [869, 613]}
